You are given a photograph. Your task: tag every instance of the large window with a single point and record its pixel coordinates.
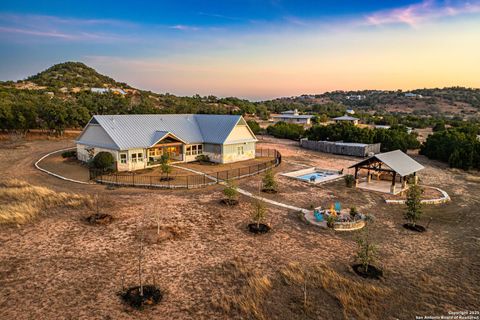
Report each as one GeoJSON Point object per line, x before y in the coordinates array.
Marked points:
{"type": "Point", "coordinates": [134, 157]}
{"type": "Point", "coordinates": [137, 157]}
{"type": "Point", "coordinates": [123, 158]}
{"type": "Point", "coordinates": [240, 151]}
{"type": "Point", "coordinates": [194, 149]}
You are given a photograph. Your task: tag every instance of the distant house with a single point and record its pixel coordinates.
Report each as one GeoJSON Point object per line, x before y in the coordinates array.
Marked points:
{"type": "Point", "coordinates": [413, 95]}
{"type": "Point", "coordinates": [346, 118]}
{"type": "Point", "coordinates": [139, 141]}
{"type": "Point", "coordinates": [292, 116]}
{"type": "Point", "coordinates": [382, 126]}
{"type": "Point", "coordinates": [356, 97]}
{"type": "Point", "coordinates": [99, 90]}
{"type": "Point", "coordinates": [350, 111]}
{"type": "Point", "coordinates": [105, 90]}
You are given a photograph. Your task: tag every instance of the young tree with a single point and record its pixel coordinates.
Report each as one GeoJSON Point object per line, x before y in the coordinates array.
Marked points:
{"type": "Point", "coordinates": [269, 183]}
{"type": "Point", "coordinates": [164, 166]}
{"type": "Point", "coordinates": [230, 192]}
{"type": "Point", "coordinates": [367, 251]}
{"type": "Point", "coordinates": [259, 212]}
{"type": "Point", "coordinates": [414, 204]}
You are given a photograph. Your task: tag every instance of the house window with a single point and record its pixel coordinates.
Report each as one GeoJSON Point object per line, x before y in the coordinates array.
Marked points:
{"type": "Point", "coordinates": [194, 150]}
{"type": "Point", "coordinates": [134, 157]}
{"type": "Point", "coordinates": [240, 151]}
{"type": "Point", "coordinates": [140, 157]}
{"type": "Point", "coordinates": [123, 158]}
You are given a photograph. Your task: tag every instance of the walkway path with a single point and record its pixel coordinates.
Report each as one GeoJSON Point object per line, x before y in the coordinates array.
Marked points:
{"type": "Point", "coordinates": [54, 174]}
{"type": "Point", "coordinates": [249, 194]}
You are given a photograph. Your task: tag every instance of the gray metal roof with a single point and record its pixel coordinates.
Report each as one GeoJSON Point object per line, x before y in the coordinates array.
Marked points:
{"type": "Point", "coordinates": [144, 130]}
{"type": "Point", "coordinates": [345, 118]}
{"type": "Point", "coordinates": [398, 161]}
{"type": "Point", "coordinates": [288, 116]}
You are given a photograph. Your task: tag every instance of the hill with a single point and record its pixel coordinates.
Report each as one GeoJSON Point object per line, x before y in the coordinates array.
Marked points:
{"type": "Point", "coordinates": [73, 74]}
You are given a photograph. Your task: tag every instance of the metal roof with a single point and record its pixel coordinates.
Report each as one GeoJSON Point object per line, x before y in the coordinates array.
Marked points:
{"type": "Point", "coordinates": [143, 130]}
{"type": "Point", "coordinates": [398, 161]}
{"type": "Point", "coordinates": [345, 118]}
{"type": "Point", "coordinates": [287, 116]}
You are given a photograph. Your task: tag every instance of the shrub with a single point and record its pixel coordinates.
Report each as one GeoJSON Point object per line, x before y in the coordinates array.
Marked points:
{"type": "Point", "coordinates": [414, 204]}
{"type": "Point", "coordinates": [103, 160]}
{"type": "Point", "coordinates": [349, 180]}
{"type": "Point", "coordinates": [166, 168]}
{"type": "Point", "coordinates": [269, 183]}
{"type": "Point", "coordinates": [367, 251]}
{"type": "Point", "coordinates": [259, 212]}
{"type": "Point", "coordinates": [230, 191]}
{"type": "Point", "coordinates": [286, 130]}
{"type": "Point", "coordinates": [69, 154]}
{"type": "Point", "coordinates": [203, 158]}
{"type": "Point", "coordinates": [353, 212]}
{"type": "Point", "coordinates": [331, 221]}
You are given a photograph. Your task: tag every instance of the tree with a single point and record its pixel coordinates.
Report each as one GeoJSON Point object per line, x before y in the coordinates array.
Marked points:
{"type": "Point", "coordinates": [164, 166]}
{"type": "Point", "coordinates": [268, 181]}
{"type": "Point", "coordinates": [414, 204]}
{"type": "Point", "coordinates": [103, 160]}
{"type": "Point", "coordinates": [254, 126]}
{"type": "Point", "coordinates": [230, 192]}
{"type": "Point", "coordinates": [367, 251]}
{"type": "Point", "coordinates": [259, 212]}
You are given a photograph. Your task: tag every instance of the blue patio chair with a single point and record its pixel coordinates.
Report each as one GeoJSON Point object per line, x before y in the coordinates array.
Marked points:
{"type": "Point", "coordinates": [318, 216]}
{"type": "Point", "coordinates": [338, 207]}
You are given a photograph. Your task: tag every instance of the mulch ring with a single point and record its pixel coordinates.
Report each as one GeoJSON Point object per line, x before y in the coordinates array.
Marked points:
{"type": "Point", "coordinates": [167, 178]}
{"type": "Point", "coordinates": [229, 202]}
{"type": "Point", "coordinates": [151, 296]}
{"type": "Point", "coordinates": [260, 228]}
{"type": "Point", "coordinates": [155, 235]}
{"type": "Point", "coordinates": [371, 273]}
{"type": "Point", "coordinates": [99, 218]}
{"type": "Point", "coordinates": [416, 227]}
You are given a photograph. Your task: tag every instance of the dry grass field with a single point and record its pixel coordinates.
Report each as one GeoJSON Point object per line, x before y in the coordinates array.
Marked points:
{"type": "Point", "coordinates": [57, 266]}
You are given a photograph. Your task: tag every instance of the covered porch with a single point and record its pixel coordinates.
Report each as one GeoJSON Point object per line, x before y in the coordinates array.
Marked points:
{"type": "Point", "coordinates": [387, 172]}
{"type": "Point", "coordinates": [167, 144]}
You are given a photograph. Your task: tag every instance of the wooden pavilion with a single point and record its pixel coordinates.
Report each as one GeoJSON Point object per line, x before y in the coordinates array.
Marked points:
{"type": "Point", "coordinates": [394, 166]}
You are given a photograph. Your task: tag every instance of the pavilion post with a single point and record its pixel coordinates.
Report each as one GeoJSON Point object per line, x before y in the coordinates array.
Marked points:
{"type": "Point", "coordinates": [369, 176]}
{"type": "Point", "coordinates": [404, 183]}
{"type": "Point", "coordinates": [392, 188]}
{"type": "Point", "coordinates": [356, 176]}
{"type": "Point", "coordinates": [415, 178]}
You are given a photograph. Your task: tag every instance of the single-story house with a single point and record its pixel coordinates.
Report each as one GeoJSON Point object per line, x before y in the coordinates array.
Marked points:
{"type": "Point", "coordinates": [292, 116]}
{"type": "Point", "coordinates": [346, 118]}
{"type": "Point", "coordinates": [139, 141]}
{"type": "Point", "coordinates": [389, 168]}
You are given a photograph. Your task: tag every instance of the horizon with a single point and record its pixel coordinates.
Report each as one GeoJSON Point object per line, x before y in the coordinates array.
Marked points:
{"type": "Point", "coordinates": [250, 49]}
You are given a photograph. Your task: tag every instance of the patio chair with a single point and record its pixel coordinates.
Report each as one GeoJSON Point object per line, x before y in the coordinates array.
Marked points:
{"type": "Point", "coordinates": [338, 207]}
{"type": "Point", "coordinates": [318, 216]}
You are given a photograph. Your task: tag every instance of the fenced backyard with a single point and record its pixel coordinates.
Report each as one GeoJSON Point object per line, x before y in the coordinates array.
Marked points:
{"type": "Point", "coordinates": [190, 179]}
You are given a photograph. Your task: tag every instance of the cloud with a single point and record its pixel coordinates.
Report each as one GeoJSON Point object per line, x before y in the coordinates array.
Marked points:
{"type": "Point", "coordinates": [183, 27]}
{"type": "Point", "coordinates": [422, 12]}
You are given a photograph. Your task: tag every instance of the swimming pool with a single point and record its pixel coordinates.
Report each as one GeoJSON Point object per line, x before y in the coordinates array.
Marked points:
{"type": "Point", "coordinates": [314, 175]}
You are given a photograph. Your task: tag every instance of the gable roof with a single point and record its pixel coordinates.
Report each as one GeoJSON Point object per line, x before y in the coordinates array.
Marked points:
{"type": "Point", "coordinates": [345, 118]}
{"type": "Point", "coordinates": [398, 161]}
{"type": "Point", "coordinates": [144, 130]}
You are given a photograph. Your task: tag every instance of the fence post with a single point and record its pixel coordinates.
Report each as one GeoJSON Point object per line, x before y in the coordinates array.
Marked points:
{"type": "Point", "coordinates": [227, 174]}
{"type": "Point", "coordinates": [238, 172]}
{"type": "Point", "coordinates": [133, 179]}
{"type": "Point", "coordinates": [217, 176]}
{"type": "Point", "coordinates": [150, 181]}
{"type": "Point", "coordinates": [204, 179]}
{"type": "Point", "coordinates": [187, 182]}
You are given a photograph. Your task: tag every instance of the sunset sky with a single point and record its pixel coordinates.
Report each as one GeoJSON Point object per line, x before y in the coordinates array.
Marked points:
{"type": "Point", "coordinates": [251, 49]}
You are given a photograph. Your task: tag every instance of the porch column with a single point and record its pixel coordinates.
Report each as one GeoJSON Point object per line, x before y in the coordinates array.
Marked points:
{"type": "Point", "coordinates": [415, 178]}
{"type": "Point", "coordinates": [392, 187]}
{"type": "Point", "coordinates": [404, 182]}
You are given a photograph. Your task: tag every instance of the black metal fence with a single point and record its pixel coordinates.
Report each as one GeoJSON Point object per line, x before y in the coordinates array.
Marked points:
{"type": "Point", "coordinates": [188, 181]}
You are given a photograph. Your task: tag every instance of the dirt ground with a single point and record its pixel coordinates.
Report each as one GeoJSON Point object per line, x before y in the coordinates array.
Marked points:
{"type": "Point", "coordinates": [59, 267]}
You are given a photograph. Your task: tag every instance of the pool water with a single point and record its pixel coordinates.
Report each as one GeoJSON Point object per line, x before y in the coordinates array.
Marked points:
{"type": "Point", "coordinates": [319, 175]}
